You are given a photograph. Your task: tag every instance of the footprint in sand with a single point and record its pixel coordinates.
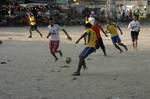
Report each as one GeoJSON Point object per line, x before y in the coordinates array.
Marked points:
{"type": "Point", "coordinates": [65, 66]}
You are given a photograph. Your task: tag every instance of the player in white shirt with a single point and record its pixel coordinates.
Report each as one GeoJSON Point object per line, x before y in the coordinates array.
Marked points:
{"type": "Point", "coordinates": [91, 19]}
{"type": "Point", "coordinates": [54, 38]}
{"type": "Point", "coordinates": [134, 25]}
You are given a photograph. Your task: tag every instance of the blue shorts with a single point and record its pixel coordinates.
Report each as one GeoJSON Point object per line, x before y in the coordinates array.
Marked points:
{"type": "Point", "coordinates": [116, 39]}
{"type": "Point", "coordinates": [86, 52]}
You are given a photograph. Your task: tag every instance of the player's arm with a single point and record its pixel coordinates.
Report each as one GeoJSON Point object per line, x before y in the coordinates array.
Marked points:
{"type": "Point", "coordinates": [119, 29]}
{"type": "Point", "coordinates": [82, 36]}
{"type": "Point", "coordinates": [129, 26]}
{"type": "Point", "coordinates": [139, 28]}
{"type": "Point", "coordinates": [103, 31]}
{"type": "Point", "coordinates": [49, 34]}
{"type": "Point", "coordinates": [107, 30]}
{"type": "Point", "coordinates": [89, 37]}
{"type": "Point", "coordinates": [69, 38]}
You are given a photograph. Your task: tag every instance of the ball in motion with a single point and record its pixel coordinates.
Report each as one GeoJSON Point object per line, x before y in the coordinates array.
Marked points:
{"type": "Point", "coordinates": [68, 60]}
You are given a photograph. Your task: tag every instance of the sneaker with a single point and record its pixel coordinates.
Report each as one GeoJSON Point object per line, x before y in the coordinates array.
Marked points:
{"type": "Point", "coordinates": [56, 59]}
{"type": "Point", "coordinates": [76, 74]}
{"type": "Point", "coordinates": [30, 36]}
{"type": "Point", "coordinates": [121, 51]}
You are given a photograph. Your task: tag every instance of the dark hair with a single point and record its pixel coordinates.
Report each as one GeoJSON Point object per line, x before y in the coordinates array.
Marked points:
{"type": "Point", "coordinates": [88, 25]}
{"type": "Point", "coordinates": [137, 16]}
{"type": "Point", "coordinates": [51, 19]}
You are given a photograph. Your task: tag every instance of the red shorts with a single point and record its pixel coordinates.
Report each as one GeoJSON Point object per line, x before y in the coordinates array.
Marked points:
{"type": "Point", "coordinates": [53, 46]}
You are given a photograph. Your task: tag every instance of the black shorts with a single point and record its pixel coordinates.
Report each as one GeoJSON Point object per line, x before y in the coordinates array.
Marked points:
{"type": "Point", "coordinates": [33, 27]}
{"type": "Point", "coordinates": [99, 43]}
{"type": "Point", "coordinates": [134, 35]}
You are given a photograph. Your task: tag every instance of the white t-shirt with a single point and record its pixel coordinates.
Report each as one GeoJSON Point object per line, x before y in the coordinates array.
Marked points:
{"type": "Point", "coordinates": [91, 20]}
{"type": "Point", "coordinates": [54, 30]}
{"type": "Point", "coordinates": [134, 26]}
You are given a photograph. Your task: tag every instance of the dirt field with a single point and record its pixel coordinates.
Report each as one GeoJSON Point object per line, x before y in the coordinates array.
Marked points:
{"type": "Point", "coordinates": [28, 71]}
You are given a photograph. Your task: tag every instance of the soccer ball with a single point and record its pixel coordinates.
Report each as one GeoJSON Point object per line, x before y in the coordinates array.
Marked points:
{"type": "Point", "coordinates": [68, 60]}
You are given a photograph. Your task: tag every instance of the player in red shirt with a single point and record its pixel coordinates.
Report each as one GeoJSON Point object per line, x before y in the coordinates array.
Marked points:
{"type": "Point", "coordinates": [97, 28]}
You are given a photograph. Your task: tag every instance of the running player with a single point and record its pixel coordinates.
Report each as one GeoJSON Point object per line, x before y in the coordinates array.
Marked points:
{"type": "Point", "coordinates": [135, 29]}
{"type": "Point", "coordinates": [54, 38]}
{"type": "Point", "coordinates": [90, 41]}
{"type": "Point", "coordinates": [112, 29]}
{"type": "Point", "coordinates": [33, 24]}
{"type": "Point", "coordinates": [97, 28]}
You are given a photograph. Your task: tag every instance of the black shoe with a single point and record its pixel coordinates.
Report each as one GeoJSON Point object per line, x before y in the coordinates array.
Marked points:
{"type": "Point", "coordinates": [30, 36]}
{"type": "Point", "coordinates": [76, 74]}
{"type": "Point", "coordinates": [56, 59]}
{"type": "Point", "coordinates": [121, 51]}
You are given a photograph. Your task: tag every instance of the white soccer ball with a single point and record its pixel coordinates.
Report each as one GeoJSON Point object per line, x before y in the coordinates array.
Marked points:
{"type": "Point", "coordinates": [68, 60]}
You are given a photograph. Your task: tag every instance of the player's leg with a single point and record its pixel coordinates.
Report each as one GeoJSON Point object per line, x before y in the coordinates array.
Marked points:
{"type": "Point", "coordinates": [60, 53]}
{"type": "Point", "coordinates": [81, 62]}
{"type": "Point", "coordinates": [84, 65]}
{"type": "Point", "coordinates": [136, 44]}
{"type": "Point", "coordinates": [118, 47]}
{"type": "Point", "coordinates": [38, 31]}
{"type": "Point", "coordinates": [133, 39]}
{"type": "Point", "coordinates": [56, 45]}
{"type": "Point", "coordinates": [101, 44]}
{"type": "Point", "coordinates": [83, 55]}
{"type": "Point", "coordinates": [115, 41]}
{"type": "Point", "coordinates": [121, 44]}
{"type": "Point", "coordinates": [87, 52]}
{"type": "Point", "coordinates": [53, 49]}
{"type": "Point", "coordinates": [30, 31]}
{"type": "Point", "coordinates": [136, 40]}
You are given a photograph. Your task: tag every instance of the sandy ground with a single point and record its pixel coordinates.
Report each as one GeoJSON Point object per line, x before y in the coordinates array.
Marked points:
{"type": "Point", "coordinates": [28, 71]}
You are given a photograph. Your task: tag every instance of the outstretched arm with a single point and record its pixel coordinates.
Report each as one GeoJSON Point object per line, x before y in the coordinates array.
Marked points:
{"type": "Point", "coordinates": [103, 31]}
{"type": "Point", "coordinates": [67, 34]}
{"type": "Point", "coordinates": [119, 29]}
{"type": "Point", "coordinates": [80, 38]}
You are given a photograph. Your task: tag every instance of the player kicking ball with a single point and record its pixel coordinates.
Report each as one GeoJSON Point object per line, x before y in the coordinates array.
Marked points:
{"type": "Point", "coordinates": [54, 38]}
{"type": "Point", "coordinates": [90, 41]}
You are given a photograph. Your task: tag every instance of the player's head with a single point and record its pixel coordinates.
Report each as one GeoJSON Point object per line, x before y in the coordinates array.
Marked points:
{"type": "Point", "coordinates": [88, 25]}
{"type": "Point", "coordinates": [51, 21]}
{"type": "Point", "coordinates": [135, 17]}
{"type": "Point", "coordinates": [30, 14]}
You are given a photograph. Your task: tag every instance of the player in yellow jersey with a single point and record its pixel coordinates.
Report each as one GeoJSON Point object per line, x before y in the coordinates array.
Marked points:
{"type": "Point", "coordinates": [90, 41]}
{"type": "Point", "coordinates": [112, 28]}
{"type": "Point", "coordinates": [33, 25]}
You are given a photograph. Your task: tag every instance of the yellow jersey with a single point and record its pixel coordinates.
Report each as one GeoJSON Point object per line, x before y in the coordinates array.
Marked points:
{"type": "Point", "coordinates": [90, 39]}
{"type": "Point", "coordinates": [32, 20]}
{"type": "Point", "coordinates": [112, 29]}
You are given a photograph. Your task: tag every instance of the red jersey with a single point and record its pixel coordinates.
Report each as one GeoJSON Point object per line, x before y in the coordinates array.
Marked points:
{"type": "Point", "coordinates": [96, 29]}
